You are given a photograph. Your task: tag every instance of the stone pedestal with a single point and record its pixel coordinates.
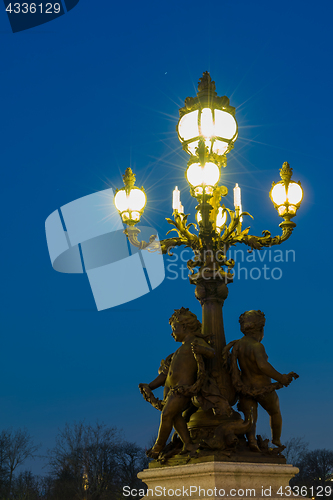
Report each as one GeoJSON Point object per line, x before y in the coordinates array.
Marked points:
{"type": "Point", "coordinates": [216, 480]}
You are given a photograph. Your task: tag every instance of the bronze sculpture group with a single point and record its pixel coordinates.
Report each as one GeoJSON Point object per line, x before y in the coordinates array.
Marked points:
{"type": "Point", "coordinates": [190, 389]}
{"type": "Point", "coordinates": [204, 378]}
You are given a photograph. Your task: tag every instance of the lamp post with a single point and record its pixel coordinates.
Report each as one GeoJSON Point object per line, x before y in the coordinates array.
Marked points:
{"type": "Point", "coordinates": [208, 129]}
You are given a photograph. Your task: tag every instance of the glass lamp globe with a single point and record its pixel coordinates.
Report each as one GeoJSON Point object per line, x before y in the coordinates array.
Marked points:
{"type": "Point", "coordinates": [207, 117]}
{"type": "Point", "coordinates": [130, 201]}
{"type": "Point", "coordinates": [286, 195]}
{"type": "Point", "coordinates": [203, 176]}
{"type": "Point", "coordinates": [221, 218]}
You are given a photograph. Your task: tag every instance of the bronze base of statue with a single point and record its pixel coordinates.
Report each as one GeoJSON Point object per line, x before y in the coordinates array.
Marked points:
{"type": "Point", "coordinates": [216, 431]}
{"type": "Point", "coordinates": [249, 458]}
{"type": "Point", "coordinates": [240, 454]}
{"type": "Point", "coordinates": [219, 439]}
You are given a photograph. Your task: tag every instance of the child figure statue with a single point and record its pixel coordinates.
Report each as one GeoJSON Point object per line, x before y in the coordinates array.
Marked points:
{"type": "Point", "coordinates": [182, 375]}
{"type": "Point", "coordinates": [251, 376]}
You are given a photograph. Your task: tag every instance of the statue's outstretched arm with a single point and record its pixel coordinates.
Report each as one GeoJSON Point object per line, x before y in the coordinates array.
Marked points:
{"type": "Point", "coordinates": [159, 381]}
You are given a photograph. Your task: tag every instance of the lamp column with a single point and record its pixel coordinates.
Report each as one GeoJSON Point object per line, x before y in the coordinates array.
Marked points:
{"type": "Point", "coordinates": [211, 292]}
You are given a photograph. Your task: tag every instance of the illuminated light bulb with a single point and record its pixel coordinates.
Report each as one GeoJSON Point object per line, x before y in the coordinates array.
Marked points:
{"type": "Point", "coordinates": [199, 217]}
{"type": "Point", "coordinates": [279, 194]}
{"type": "Point", "coordinates": [221, 218]}
{"type": "Point", "coordinates": [207, 175]}
{"type": "Point", "coordinates": [188, 127]}
{"type": "Point", "coordinates": [225, 125]}
{"type": "Point", "coordinates": [130, 204]}
{"type": "Point", "coordinates": [295, 193]}
{"type": "Point", "coordinates": [136, 200]}
{"type": "Point", "coordinates": [286, 194]}
{"type": "Point", "coordinates": [130, 200]}
{"type": "Point", "coordinates": [194, 174]}
{"type": "Point", "coordinates": [207, 125]}
{"type": "Point", "coordinates": [237, 196]}
{"type": "Point", "coordinates": [238, 200]}
{"type": "Point", "coordinates": [176, 199]}
{"type": "Point", "coordinates": [121, 201]}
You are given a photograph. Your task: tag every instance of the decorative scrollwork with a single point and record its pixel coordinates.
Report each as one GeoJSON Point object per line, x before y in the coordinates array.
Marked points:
{"type": "Point", "coordinates": [216, 251]}
{"type": "Point", "coordinates": [182, 228]}
{"type": "Point", "coordinates": [132, 235]}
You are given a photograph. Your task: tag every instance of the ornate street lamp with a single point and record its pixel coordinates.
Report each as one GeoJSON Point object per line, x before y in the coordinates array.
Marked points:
{"type": "Point", "coordinates": [208, 129]}
{"type": "Point", "coordinates": [286, 195]}
{"type": "Point", "coordinates": [210, 119]}
{"type": "Point", "coordinates": [203, 174]}
{"type": "Point", "coordinates": [130, 201]}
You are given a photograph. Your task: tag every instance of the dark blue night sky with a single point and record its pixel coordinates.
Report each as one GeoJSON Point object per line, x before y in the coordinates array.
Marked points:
{"type": "Point", "coordinates": [98, 90]}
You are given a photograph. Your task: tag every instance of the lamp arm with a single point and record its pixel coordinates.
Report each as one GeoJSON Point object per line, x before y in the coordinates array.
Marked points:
{"type": "Point", "coordinates": [257, 242]}
{"type": "Point", "coordinates": [163, 246]}
{"type": "Point", "coordinates": [132, 235]}
{"type": "Point", "coordinates": [185, 237]}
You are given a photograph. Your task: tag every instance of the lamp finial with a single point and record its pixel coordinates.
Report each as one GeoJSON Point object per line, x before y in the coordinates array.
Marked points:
{"type": "Point", "coordinates": [129, 179]}
{"type": "Point", "coordinates": [286, 172]}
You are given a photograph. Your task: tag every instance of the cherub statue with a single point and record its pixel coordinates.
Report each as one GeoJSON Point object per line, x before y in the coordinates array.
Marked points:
{"type": "Point", "coordinates": [182, 375]}
{"type": "Point", "coordinates": [251, 376]}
